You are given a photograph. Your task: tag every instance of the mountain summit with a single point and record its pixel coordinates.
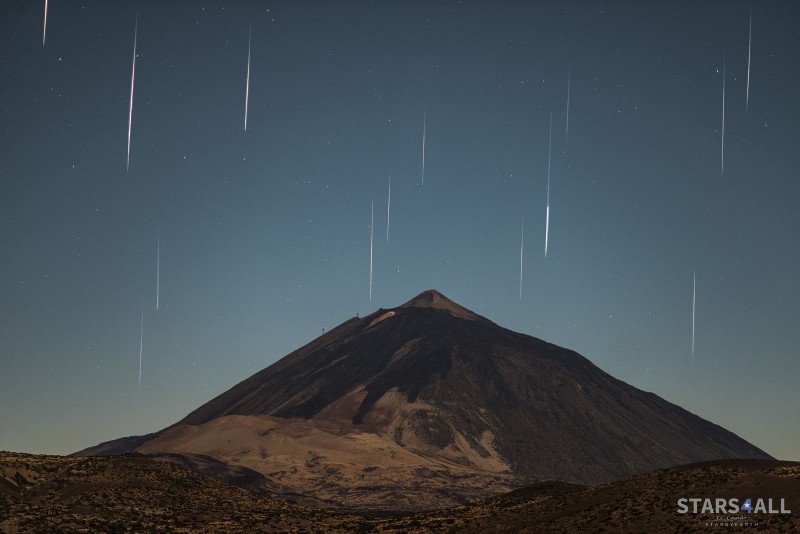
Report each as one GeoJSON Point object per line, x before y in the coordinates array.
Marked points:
{"type": "Point", "coordinates": [433, 299]}
{"type": "Point", "coordinates": [430, 395]}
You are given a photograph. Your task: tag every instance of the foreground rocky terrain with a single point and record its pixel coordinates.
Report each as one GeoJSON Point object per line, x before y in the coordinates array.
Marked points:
{"type": "Point", "coordinates": [428, 405]}
{"type": "Point", "coordinates": [134, 493]}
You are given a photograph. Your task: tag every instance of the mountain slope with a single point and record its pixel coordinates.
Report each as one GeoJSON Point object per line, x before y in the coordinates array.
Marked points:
{"type": "Point", "coordinates": [442, 371]}
{"type": "Point", "coordinates": [449, 387]}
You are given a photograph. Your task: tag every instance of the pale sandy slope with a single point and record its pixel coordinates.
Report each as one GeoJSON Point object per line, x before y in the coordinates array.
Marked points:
{"type": "Point", "coordinates": [344, 464]}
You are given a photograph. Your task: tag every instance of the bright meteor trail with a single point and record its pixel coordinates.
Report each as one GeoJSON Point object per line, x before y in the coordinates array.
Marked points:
{"type": "Point", "coordinates": [133, 77]}
{"type": "Point", "coordinates": [247, 86]}
{"type": "Point", "coordinates": [547, 216]}
{"type": "Point", "coordinates": [521, 253]}
{"type": "Point", "coordinates": [141, 345]}
{"type": "Point", "coordinates": [749, 48]}
{"type": "Point", "coordinates": [158, 266]}
{"type": "Point", "coordinates": [569, 79]}
{"type": "Point", "coordinates": [722, 148]}
{"type": "Point", "coordinates": [424, 122]}
{"type": "Point", "coordinates": [371, 234]}
{"type": "Point", "coordinates": [389, 205]}
{"type": "Point", "coordinates": [694, 293]}
{"type": "Point", "coordinates": [44, 30]}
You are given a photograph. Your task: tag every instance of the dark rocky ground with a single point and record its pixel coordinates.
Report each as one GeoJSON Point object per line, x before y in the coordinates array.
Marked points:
{"type": "Point", "coordinates": [137, 494]}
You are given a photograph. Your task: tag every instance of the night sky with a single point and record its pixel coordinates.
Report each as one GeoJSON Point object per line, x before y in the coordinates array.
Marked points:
{"type": "Point", "coordinates": [265, 233]}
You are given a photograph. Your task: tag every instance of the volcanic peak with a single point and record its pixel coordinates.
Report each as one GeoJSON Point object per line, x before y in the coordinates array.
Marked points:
{"type": "Point", "coordinates": [431, 298]}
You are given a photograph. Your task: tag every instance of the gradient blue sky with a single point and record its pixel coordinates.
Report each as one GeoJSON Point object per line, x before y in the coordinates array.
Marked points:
{"type": "Point", "coordinates": [265, 233]}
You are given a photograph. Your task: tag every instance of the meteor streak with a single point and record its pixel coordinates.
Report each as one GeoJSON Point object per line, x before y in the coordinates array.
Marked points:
{"type": "Point", "coordinates": [749, 48]}
{"type": "Point", "coordinates": [389, 204]}
{"type": "Point", "coordinates": [722, 148]}
{"type": "Point", "coordinates": [371, 233]}
{"type": "Point", "coordinates": [141, 344]}
{"type": "Point", "coordinates": [547, 216]}
{"type": "Point", "coordinates": [424, 122]}
{"type": "Point", "coordinates": [694, 293]}
{"type": "Point", "coordinates": [569, 79]}
{"type": "Point", "coordinates": [133, 77]}
{"type": "Point", "coordinates": [521, 252]}
{"type": "Point", "coordinates": [158, 266]}
{"type": "Point", "coordinates": [44, 30]}
{"type": "Point", "coordinates": [247, 87]}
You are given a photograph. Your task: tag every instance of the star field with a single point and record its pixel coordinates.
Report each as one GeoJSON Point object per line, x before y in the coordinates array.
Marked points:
{"type": "Point", "coordinates": [255, 240]}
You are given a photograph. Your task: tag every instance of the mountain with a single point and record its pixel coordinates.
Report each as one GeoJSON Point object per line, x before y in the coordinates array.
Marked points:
{"type": "Point", "coordinates": [430, 404]}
